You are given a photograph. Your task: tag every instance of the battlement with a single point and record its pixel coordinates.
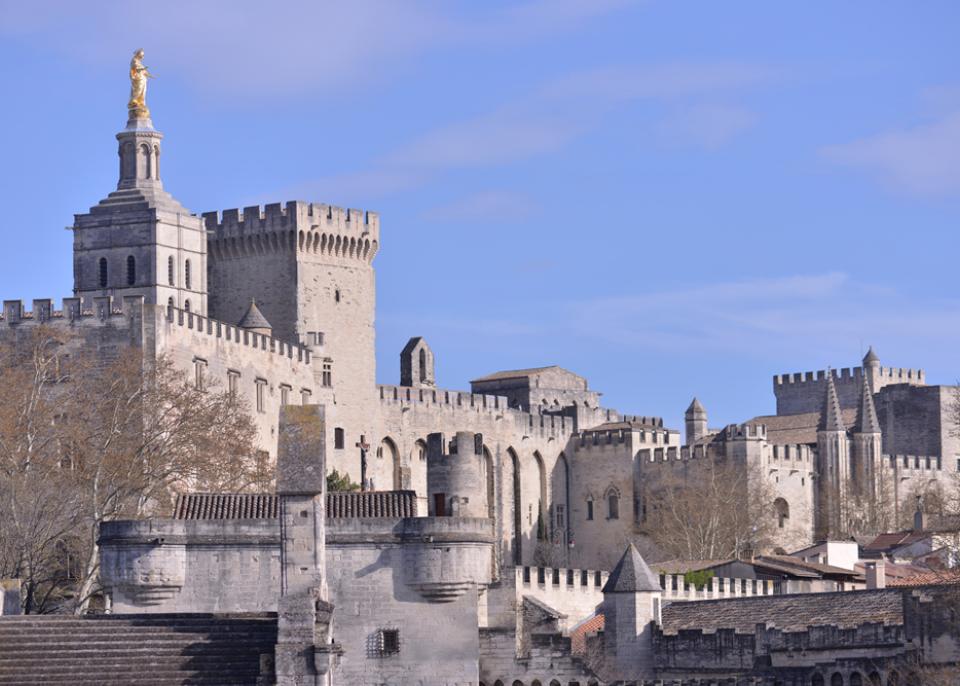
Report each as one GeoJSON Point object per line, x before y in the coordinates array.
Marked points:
{"type": "Point", "coordinates": [594, 439]}
{"type": "Point", "coordinates": [746, 432]}
{"type": "Point", "coordinates": [887, 375]}
{"type": "Point", "coordinates": [228, 332]}
{"type": "Point", "coordinates": [914, 463]}
{"type": "Point", "coordinates": [107, 310]}
{"type": "Point", "coordinates": [72, 310]}
{"type": "Point", "coordinates": [494, 405]}
{"type": "Point", "coordinates": [795, 453]}
{"type": "Point", "coordinates": [675, 587]}
{"type": "Point", "coordinates": [308, 228]}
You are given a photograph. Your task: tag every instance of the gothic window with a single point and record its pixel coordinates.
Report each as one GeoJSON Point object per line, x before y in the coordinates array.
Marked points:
{"type": "Point", "coordinates": [186, 275]}
{"type": "Point", "coordinates": [186, 305]}
{"type": "Point", "coordinates": [423, 364]}
{"type": "Point", "coordinates": [233, 381]}
{"type": "Point", "coordinates": [131, 270]}
{"type": "Point", "coordinates": [783, 511]}
{"type": "Point", "coordinates": [836, 679]}
{"type": "Point", "coordinates": [170, 276]}
{"type": "Point", "coordinates": [589, 510]}
{"type": "Point", "coordinates": [326, 378]}
{"type": "Point", "coordinates": [817, 680]}
{"type": "Point", "coordinates": [261, 400]}
{"type": "Point", "coordinates": [103, 272]}
{"type": "Point", "coordinates": [613, 505]}
{"type": "Point", "coordinates": [338, 438]}
{"type": "Point", "coordinates": [199, 371]}
{"type": "Point", "coordinates": [170, 307]}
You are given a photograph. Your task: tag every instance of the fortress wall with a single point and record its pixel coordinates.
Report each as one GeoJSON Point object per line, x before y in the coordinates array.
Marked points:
{"type": "Point", "coordinates": [799, 393]}
{"type": "Point", "coordinates": [911, 418]}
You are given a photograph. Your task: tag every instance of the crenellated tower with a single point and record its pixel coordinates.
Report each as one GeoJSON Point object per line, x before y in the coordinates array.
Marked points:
{"type": "Point", "coordinates": [139, 240]}
{"type": "Point", "coordinates": [833, 465]}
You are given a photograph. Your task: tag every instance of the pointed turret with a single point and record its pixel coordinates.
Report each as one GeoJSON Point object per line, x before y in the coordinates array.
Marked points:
{"type": "Point", "coordinates": [631, 606]}
{"type": "Point", "coordinates": [695, 419]}
{"type": "Point", "coordinates": [830, 417]}
{"type": "Point", "coordinates": [871, 369]}
{"type": "Point", "coordinates": [867, 422]}
{"type": "Point", "coordinates": [870, 358]}
{"type": "Point", "coordinates": [632, 575]}
{"type": "Point", "coordinates": [254, 321]}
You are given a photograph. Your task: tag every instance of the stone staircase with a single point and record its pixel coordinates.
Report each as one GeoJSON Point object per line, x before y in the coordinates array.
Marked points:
{"type": "Point", "coordinates": [147, 650]}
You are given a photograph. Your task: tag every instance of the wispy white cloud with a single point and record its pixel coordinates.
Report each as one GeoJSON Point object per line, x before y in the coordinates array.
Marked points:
{"type": "Point", "coordinates": [708, 126]}
{"type": "Point", "coordinates": [922, 160]}
{"type": "Point", "coordinates": [491, 205]}
{"type": "Point", "coordinates": [257, 50]}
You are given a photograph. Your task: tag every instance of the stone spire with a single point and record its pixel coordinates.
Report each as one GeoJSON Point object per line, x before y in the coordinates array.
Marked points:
{"type": "Point", "coordinates": [632, 575]}
{"type": "Point", "coordinates": [830, 417]}
{"type": "Point", "coordinates": [871, 369]}
{"type": "Point", "coordinates": [870, 358]}
{"type": "Point", "coordinates": [867, 422]}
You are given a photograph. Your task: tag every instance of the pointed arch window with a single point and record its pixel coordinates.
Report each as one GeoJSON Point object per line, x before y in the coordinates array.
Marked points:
{"type": "Point", "coordinates": [103, 272]}
{"type": "Point", "coordinates": [186, 305]}
{"type": "Point", "coordinates": [131, 270]}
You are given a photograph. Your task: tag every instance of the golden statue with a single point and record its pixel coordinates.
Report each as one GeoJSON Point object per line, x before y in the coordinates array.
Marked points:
{"type": "Point", "coordinates": [138, 87]}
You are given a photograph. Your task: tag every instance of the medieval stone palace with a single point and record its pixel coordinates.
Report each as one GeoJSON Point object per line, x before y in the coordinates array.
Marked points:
{"type": "Point", "coordinates": [487, 544]}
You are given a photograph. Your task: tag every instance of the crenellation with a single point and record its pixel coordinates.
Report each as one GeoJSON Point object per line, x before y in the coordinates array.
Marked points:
{"type": "Point", "coordinates": [916, 463]}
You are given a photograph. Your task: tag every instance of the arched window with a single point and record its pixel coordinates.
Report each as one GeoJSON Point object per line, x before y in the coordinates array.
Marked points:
{"type": "Point", "coordinates": [131, 270]}
{"type": "Point", "coordinates": [170, 276]}
{"type": "Point", "coordinates": [613, 504]}
{"type": "Point", "coordinates": [170, 307]}
{"type": "Point", "coordinates": [856, 679]}
{"type": "Point", "coordinates": [817, 680]}
{"type": "Point", "coordinates": [103, 272]}
{"type": "Point", "coordinates": [836, 679]}
{"type": "Point", "coordinates": [186, 275]}
{"type": "Point", "coordinates": [186, 305]}
{"type": "Point", "coordinates": [423, 365]}
{"type": "Point", "coordinates": [782, 509]}
{"type": "Point", "coordinates": [875, 679]}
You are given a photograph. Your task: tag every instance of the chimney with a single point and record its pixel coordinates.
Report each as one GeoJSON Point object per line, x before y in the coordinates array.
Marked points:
{"type": "Point", "coordinates": [876, 574]}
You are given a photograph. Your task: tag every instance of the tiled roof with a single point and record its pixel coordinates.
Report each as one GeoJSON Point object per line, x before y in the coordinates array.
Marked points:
{"type": "Point", "coordinates": [792, 612]}
{"type": "Point", "coordinates": [515, 373]}
{"type": "Point", "coordinates": [812, 566]}
{"type": "Point", "coordinates": [896, 539]}
{"type": "Point", "coordinates": [931, 578]}
{"type": "Point", "coordinates": [254, 319]}
{"type": "Point", "coordinates": [579, 633]}
{"type": "Point", "coordinates": [340, 505]}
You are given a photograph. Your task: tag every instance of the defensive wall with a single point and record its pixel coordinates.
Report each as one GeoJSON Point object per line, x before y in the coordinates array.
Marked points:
{"type": "Point", "coordinates": [802, 392]}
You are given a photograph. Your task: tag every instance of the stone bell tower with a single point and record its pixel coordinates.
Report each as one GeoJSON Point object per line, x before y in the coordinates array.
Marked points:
{"type": "Point", "coordinates": [139, 240]}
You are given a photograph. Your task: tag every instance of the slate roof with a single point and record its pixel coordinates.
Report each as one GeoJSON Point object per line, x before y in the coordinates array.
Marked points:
{"type": "Point", "coordinates": [340, 505]}
{"type": "Point", "coordinates": [792, 612]}
{"type": "Point", "coordinates": [696, 407]}
{"type": "Point", "coordinates": [797, 428]}
{"type": "Point", "coordinates": [870, 357]}
{"type": "Point", "coordinates": [631, 574]}
{"type": "Point", "coordinates": [254, 318]}
{"type": "Point", "coordinates": [516, 373]}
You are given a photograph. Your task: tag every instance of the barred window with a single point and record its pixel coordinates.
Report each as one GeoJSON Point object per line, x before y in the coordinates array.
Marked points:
{"type": "Point", "coordinates": [388, 641]}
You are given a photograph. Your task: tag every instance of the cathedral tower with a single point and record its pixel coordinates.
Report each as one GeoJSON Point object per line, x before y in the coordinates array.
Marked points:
{"type": "Point", "coordinates": [139, 240]}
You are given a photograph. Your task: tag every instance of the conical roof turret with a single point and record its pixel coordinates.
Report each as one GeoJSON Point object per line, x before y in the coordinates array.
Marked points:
{"type": "Point", "coordinates": [830, 417]}
{"type": "Point", "coordinates": [631, 575]}
{"type": "Point", "coordinates": [867, 421]}
{"type": "Point", "coordinates": [254, 319]}
{"type": "Point", "coordinates": [870, 358]}
{"type": "Point", "coordinates": [696, 408]}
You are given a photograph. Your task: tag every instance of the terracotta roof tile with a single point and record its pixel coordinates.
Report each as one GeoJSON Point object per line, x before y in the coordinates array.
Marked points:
{"type": "Point", "coordinates": [340, 505]}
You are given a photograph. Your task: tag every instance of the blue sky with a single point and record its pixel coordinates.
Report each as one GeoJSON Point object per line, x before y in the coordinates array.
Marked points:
{"type": "Point", "coordinates": [670, 198]}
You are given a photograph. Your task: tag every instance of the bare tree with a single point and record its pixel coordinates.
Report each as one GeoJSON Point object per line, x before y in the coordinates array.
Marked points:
{"type": "Point", "coordinates": [85, 440]}
{"type": "Point", "coordinates": [714, 512]}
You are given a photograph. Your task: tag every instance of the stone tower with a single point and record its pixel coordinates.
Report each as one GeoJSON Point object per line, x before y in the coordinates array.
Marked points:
{"type": "Point", "coordinates": [139, 240]}
{"type": "Point", "coordinates": [867, 446]}
{"type": "Point", "coordinates": [871, 369]}
{"type": "Point", "coordinates": [833, 465]}
{"type": "Point", "coordinates": [455, 476]}
{"type": "Point", "coordinates": [696, 422]}
{"type": "Point", "coordinates": [631, 605]}
{"type": "Point", "coordinates": [310, 269]}
{"type": "Point", "coordinates": [416, 364]}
